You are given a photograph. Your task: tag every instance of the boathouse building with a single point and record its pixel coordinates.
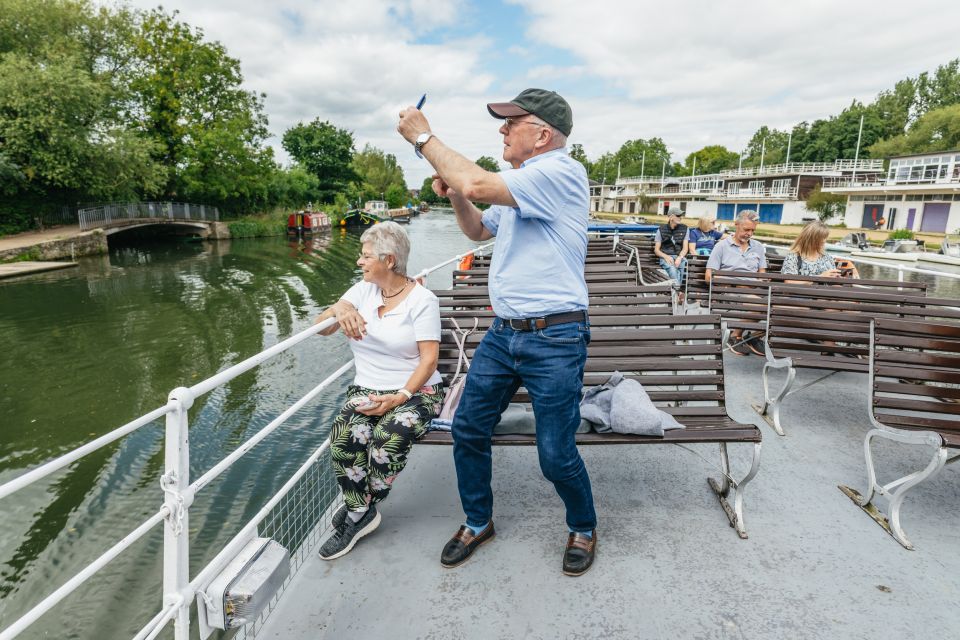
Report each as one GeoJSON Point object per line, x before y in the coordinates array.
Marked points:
{"type": "Point", "coordinates": [919, 192]}
{"type": "Point", "coordinates": [777, 192]}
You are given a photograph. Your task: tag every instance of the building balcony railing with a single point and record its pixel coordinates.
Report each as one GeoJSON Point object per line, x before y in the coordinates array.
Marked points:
{"type": "Point", "coordinates": [776, 193]}
{"type": "Point", "coordinates": [847, 182]}
{"type": "Point", "coordinates": [873, 165]}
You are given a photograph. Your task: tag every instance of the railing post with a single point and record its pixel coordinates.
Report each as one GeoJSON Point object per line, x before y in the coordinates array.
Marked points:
{"type": "Point", "coordinates": [178, 497]}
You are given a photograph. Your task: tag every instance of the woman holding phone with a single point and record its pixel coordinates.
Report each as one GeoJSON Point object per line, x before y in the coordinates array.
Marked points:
{"type": "Point", "coordinates": [394, 328]}
{"type": "Point", "coordinates": [807, 256]}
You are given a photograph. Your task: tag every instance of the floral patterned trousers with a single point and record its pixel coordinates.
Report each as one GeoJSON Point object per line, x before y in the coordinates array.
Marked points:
{"type": "Point", "coordinates": [369, 451]}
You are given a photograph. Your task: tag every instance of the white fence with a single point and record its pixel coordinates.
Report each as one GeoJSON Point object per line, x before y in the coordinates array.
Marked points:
{"type": "Point", "coordinates": [107, 214]}
{"type": "Point", "coordinates": [179, 589]}
{"type": "Point", "coordinates": [807, 167]}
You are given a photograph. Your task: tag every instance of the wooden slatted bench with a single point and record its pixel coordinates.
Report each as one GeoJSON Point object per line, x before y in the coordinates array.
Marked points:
{"type": "Point", "coordinates": [678, 359]}
{"type": "Point", "coordinates": [828, 328]}
{"type": "Point", "coordinates": [696, 287]}
{"type": "Point", "coordinates": [741, 298]}
{"type": "Point", "coordinates": [914, 399]}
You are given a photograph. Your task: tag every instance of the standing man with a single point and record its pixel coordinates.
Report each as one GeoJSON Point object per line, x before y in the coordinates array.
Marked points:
{"type": "Point", "coordinates": [670, 245]}
{"type": "Point", "coordinates": [539, 294]}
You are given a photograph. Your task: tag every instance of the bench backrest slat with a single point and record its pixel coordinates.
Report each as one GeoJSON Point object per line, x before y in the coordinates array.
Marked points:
{"type": "Point", "coordinates": [915, 375]}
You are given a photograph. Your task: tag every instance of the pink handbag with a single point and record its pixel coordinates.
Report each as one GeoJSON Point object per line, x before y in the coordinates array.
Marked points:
{"type": "Point", "coordinates": [455, 390]}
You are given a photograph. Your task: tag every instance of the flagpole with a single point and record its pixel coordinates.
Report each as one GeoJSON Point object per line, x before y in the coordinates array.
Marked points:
{"type": "Point", "coordinates": [789, 141]}
{"type": "Point", "coordinates": [856, 155]}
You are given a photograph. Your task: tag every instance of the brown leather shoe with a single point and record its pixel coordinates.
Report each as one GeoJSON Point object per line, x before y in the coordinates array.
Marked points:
{"type": "Point", "coordinates": [579, 554]}
{"type": "Point", "coordinates": [461, 545]}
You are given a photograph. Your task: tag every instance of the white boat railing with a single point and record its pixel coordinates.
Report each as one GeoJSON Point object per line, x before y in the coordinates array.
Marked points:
{"type": "Point", "coordinates": [179, 590]}
{"type": "Point", "coordinates": [901, 269]}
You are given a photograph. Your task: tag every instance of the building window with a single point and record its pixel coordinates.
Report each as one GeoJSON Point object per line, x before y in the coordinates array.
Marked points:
{"type": "Point", "coordinates": [733, 188]}
{"type": "Point", "coordinates": [756, 186]}
{"type": "Point", "coordinates": [781, 187]}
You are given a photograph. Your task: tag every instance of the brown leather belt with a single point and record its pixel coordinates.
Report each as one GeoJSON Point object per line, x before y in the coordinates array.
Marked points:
{"type": "Point", "coordinates": [529, 324]}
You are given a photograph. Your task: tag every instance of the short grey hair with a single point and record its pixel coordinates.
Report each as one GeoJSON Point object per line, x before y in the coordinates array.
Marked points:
{"type": "Point", "coordinates": [389, 239]}
{"type": "Point", "coordinates": [558, 137]}
{"type": "Point", "coordinates": [747, 215]}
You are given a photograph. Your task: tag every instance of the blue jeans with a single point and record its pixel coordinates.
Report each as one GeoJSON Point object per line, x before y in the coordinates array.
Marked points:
{"type": "Point", "coordinates": [549, 364]}
{"type": "Point", "coordinates": [674, 271]}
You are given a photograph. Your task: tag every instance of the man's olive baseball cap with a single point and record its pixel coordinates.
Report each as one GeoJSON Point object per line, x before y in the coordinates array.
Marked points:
{"type": "Point", "coordinates": [546, 105]}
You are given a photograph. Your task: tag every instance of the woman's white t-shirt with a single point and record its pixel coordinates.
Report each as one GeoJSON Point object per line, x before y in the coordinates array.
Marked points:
{"type": "Point", "coordinates": [388, 353]}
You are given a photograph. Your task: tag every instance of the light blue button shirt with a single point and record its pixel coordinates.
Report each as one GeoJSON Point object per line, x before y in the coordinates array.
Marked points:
{"type": "Point", "coordinates": [537, 265]}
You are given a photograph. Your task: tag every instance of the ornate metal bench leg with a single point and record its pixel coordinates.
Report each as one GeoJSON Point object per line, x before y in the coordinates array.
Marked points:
{"type": "Point", "coordinates": [722, 488]}
{"type": "Point", "coordinates": [896, 491]}
{"type": "Point", "coordinates": [770, 410]}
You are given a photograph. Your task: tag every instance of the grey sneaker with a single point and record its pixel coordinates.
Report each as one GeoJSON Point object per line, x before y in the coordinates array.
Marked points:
{"type": "Point", "coordinates": [339, 518]}
{"type": "Point", "coordinates": [342, 540]}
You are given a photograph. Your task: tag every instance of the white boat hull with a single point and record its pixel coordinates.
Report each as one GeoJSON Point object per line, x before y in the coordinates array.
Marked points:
{"type": "Point", "coordinates": [939, 258]}
{"type": "Point", "coordinates": [886, 255]}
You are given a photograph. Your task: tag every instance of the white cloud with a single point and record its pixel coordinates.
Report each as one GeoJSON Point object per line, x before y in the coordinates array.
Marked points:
{"type": "Point", "coordinates": [693, 73]}
{"type": "Point", "coordinates": [713, 72]}
{"type": "Point", "coordinates": [354, 63]}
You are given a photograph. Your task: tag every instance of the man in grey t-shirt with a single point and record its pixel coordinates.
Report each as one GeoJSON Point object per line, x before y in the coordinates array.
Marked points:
{"type": "Point", "coordinates": [740, 252]}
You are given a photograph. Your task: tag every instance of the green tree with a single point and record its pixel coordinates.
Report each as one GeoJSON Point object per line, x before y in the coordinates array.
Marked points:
{"type": "Point", "coordinates": [578, 154]}
{"type": "Point", "coordinates": [769, 143]}
{"type": "Point", "coordinates": [632, 156]}
{"type": "Point", "coordinates": [376, 172]}
{"type": "Point", "coordinates": [826, 205]}
{"type": "Point", "coordinates": [397, 196]}
{"type": "Point", "coordinates": [488, 163]}
{"type": "Point", "coordinates": [427, 194]}
{"type": "Point", "coordinates": [63, 136]}
{"type": "Point", "coordinates": [710, 159]}
{"type": "Point", "coordinates": [293, 188]}
{"type": "Point", "coordinates": [325, 151]}
{"type": "Point", "coordinates": [895, 108]}
{"type": "Point", "coordinates": [187, 99]}
{"type": "Point", "coordinates": [937, 130]}
{"type": "Point", "coordinates": [940, 89]}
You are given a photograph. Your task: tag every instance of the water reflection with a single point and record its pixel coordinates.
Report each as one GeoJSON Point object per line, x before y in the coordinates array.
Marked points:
{"type": "Point", "coordinates": [89, 349]}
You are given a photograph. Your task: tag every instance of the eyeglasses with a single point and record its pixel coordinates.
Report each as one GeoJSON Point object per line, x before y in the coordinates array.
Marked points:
{"type": "Point", "coordinates": [510, 122]}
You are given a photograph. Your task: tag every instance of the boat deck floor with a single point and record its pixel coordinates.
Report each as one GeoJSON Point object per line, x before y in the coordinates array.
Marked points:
{"type": "Point", "coordinates": [668, 564]}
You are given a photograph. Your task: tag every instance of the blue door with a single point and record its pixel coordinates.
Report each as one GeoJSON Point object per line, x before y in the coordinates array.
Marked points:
{"type": "Point", "coordinates": [771, 213]}
{"type": "Point", "coordinates": [747, 206]}
{"type": "Point", "coordinates": [725, 212]}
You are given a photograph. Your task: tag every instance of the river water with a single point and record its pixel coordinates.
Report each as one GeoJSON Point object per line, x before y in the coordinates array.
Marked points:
{"type": "Point", "coordinates": [86, 350]}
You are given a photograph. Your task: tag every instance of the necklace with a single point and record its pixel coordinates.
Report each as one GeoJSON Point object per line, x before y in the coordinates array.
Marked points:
{"type": "Point", "coordinates": [394, 295]}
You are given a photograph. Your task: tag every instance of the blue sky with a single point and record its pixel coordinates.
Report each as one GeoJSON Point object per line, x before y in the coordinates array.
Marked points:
{"type": "Point", "coordinates": [692, 72]}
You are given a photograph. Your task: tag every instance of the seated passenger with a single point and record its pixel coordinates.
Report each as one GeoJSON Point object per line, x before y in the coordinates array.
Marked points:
{"type": "Point", "coordinates": [704, 237]}
{"type": "Point", "coordinates": [740, 252]}
{"type": "Point", "coordinates": [670, 245]}
{"type": "Point", "coordinates": [807, 256]}
{"type": "Point", "coordinates": [394, 328]}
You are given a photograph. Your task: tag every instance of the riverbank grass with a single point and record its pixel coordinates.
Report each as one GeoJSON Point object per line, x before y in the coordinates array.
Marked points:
{"type": "Point", "coordinates": [273, 223]}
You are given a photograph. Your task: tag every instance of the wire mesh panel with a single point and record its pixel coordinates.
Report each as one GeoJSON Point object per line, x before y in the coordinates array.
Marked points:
{"type": "Point", "coordinates": [298, 523]}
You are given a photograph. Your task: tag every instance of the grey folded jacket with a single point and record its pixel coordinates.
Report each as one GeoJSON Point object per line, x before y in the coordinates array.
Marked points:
{"type": "Point", "coordinates": [622, 405]}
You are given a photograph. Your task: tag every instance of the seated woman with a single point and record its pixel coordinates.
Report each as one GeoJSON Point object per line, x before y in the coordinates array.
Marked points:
{"type": "Point", "coordinates": [394, 328]}
{"type": "Point", "coordinates": [808, 258]}
{"type": "Point", "coordinates": [701, 239]}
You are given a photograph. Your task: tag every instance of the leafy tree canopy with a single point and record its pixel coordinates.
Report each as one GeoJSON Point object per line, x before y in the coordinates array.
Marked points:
{"type": "Point", "coordinates": [710, 159]}
{"type": "Point", "coordinates": [325, 151]}
{"type": "Point", "coordinates": [376, 172]}
{"type": "Point", "coordinates": [826, 205]}
{"type": "Point", "coordinates": [488, 163]}
{"type": "Point", "coordinates": [936, 130]}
